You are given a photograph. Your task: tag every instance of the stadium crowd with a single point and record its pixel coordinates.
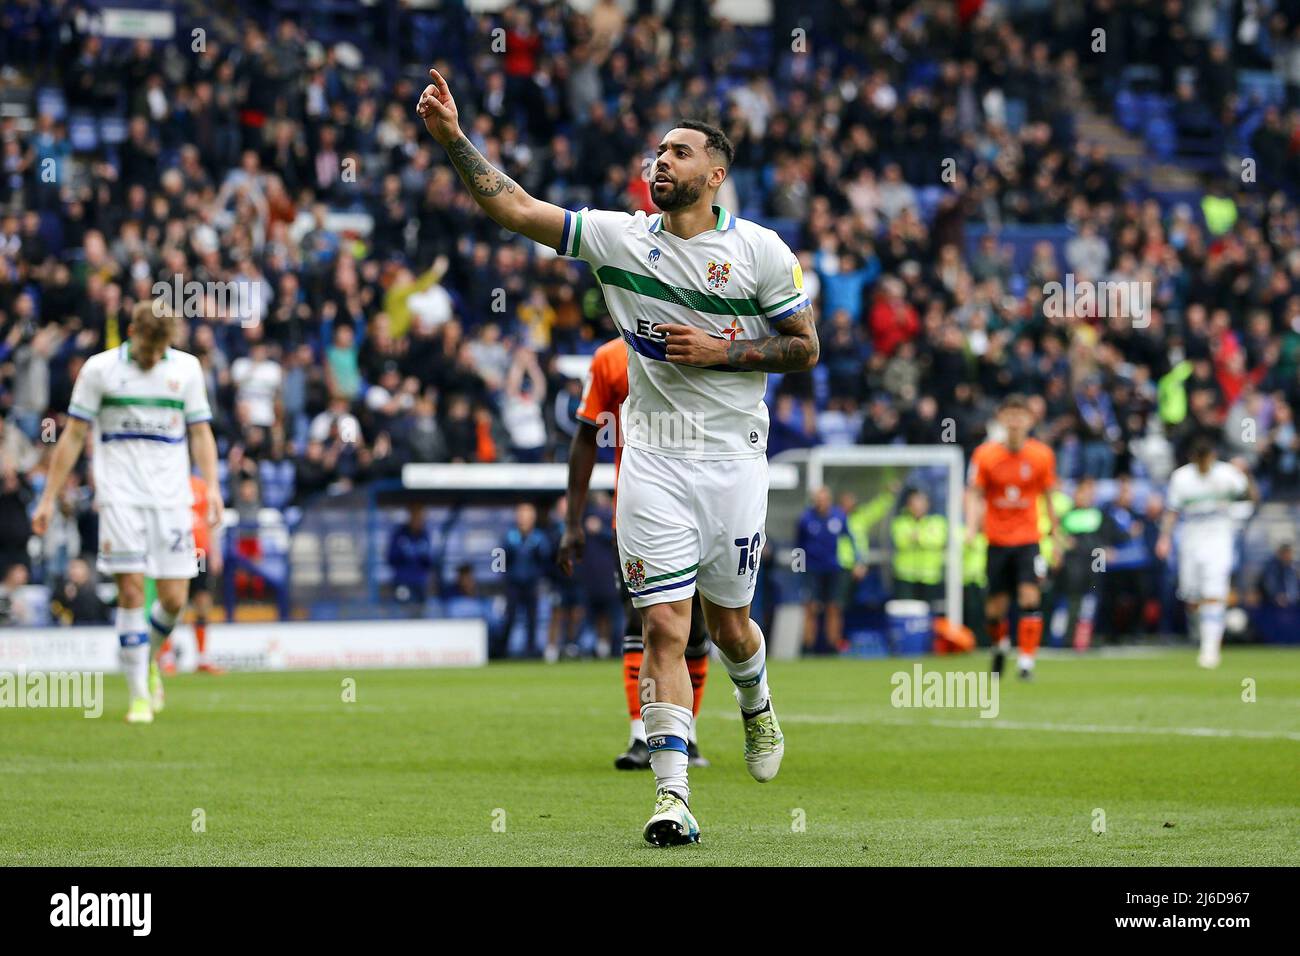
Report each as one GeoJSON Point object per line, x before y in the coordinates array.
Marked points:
{"type": "Point", "coordinates": [390, 321]}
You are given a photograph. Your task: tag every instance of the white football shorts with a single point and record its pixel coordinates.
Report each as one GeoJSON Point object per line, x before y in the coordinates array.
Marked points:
{"type": "Point", "coordinates": [1204, 573]}
{"type": "Point", "coordinates": [686, 523]}
{"type": "Point", "coordinates": [158, 542]}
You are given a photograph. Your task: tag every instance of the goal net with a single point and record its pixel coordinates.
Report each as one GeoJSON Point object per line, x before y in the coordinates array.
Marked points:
{"type": "Point", "coordinates": [874, 483]}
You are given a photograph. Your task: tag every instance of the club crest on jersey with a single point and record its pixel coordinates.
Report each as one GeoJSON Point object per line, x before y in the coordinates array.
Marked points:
{"type": "Point", "coordinates": [653, 257]}
{"type": "Point", "coordinates": [1024, 469]}
{"type": "Point", "coordinates": [719, 273]}
{"type": "Point", "coordinates": [174, 384]}
{"type": "Point", "coordinates": [634, 571]}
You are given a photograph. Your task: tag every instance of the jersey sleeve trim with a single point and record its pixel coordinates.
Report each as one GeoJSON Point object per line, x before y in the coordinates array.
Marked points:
{"type": "Point", "coordinates": [141, 436]}
{"type": "Point", "coordinates": [80, 411]}
{"type": "Point", "coordinates": [571, 235]}
{"type": "Point", "coordinates": [783, 310]}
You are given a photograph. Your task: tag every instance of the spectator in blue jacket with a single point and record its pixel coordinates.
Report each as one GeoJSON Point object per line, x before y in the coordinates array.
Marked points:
{"type": "Point", "coordinates": [845, 282]}
{"type": "Point", "coordinates": [526, 550]}
{"type": "Point", "coordinates": [818, 540]}
{"type": "Point", "coordinates": [1127, 568]}
{"type": "Point", "coordinates": [1099, 430]}
{"type": "Point", "coordinates": [1279, 584]}
{"type": "Point", "coordinates": [410, 555]}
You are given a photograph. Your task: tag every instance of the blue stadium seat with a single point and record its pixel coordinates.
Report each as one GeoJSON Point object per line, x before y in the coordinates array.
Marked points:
{"type": "Point", "coordinates": [113, 130]}
{"type": "Point", "coordinates": [821, 385]}
{"type": "Point", "coordinates": [83, 133]}
{"type": "Point", "coordinates": [462, 608]}
{"type": "Point", "coordinates": [1261, 87]}
{"type": "Point", "coordinates": [51, 102]}
{"type": "Point", "coordinates": [1152, 106]}
{"type": "Point", "coordinates": [787, 229]}
{"type": "Point", "coordinates": [927, 200]}
{"type": "Point", "coordinates": [1161, 137]}
{"type": "Point", "coordinates": [1128, 111]}
{"type": "Point", "coordinates": [1017, 113]}
{"type": "Point", "coordinates": [1140, 77]}
{"type": "Point", "coordinates": [922, 73]}
{"type": "Point", "coordinates": [276, 478]}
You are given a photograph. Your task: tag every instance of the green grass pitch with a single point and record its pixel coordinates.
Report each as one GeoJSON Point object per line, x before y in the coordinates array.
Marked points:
{"type": "Point", "coordinates": [512, 764]}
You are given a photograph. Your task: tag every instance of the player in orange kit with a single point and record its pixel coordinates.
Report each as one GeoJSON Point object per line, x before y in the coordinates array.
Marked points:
{"type": "Point", "coordinates": [598, 424]}
{"type": "Point", "coordinates": [1006, 480]}
{"type": "Point", "coordinates": [200, 592]}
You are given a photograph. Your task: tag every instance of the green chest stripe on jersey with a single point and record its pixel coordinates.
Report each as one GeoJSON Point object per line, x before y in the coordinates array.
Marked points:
{"type": "Point", "coordinates": [688, 298]}
{"type": "Point", "coordinates": [134, 400]}
{"type": "Point", "coordinates": [1212, 498]}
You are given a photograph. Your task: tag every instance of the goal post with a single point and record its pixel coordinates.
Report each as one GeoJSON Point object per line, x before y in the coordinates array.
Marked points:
{"type": "Point", "coordinates": [869, 471]}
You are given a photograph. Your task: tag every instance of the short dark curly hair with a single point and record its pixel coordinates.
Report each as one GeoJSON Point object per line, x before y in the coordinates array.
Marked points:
{"type": "Point", "coordinates": [715, 140]}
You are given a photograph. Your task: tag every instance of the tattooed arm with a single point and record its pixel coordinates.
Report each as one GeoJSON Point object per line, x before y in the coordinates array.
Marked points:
{"type": "Point", "coordinates": [795, 349]}
{"type": "Point", "coordinates": [495, 192]}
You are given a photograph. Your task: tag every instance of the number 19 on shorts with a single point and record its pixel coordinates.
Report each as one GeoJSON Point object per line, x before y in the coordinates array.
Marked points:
{"type": "Point", "coordinates": [749, 552]}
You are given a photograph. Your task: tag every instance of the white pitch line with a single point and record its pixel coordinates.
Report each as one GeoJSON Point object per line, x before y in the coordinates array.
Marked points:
{"type": "Point", "coordinates": [996, 724]}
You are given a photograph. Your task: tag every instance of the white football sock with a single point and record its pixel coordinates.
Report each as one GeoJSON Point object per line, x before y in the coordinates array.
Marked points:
{"type": "Point", "coordinates": [667, 728]}
{"type": "Point", "coordinates": [693, 739]}
{"type": "Point", "coordinates": [638, 731]}
{"type": "Point", "coordinates": [133, 652]}
{"type": "Point", "coordinates": [160, 625]}
{"type": "Point", "coordinates": [1211, 627]}
{"type": "Point", "coordinates": [750, 677]}
{"type": "Point", "coordinates": [1026, 662]}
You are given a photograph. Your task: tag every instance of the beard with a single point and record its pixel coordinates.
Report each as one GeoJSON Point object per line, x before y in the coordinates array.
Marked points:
{"type": "Point", "coordinates": [681, 195]}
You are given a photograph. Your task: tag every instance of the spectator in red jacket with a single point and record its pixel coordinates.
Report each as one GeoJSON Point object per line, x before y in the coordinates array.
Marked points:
{"type": "Point", "coordinates": [893, 319]}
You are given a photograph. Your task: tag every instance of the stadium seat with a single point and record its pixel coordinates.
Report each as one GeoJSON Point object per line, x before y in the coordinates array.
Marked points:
{"type": "Point", "coordinates": [1128, 111]}
{"type": "Point", "coordinates": [83, 133]}
{"type": "Point", "coordinates": [928, 199]}
{"type": "Point", "coordinates": [305, 558]}
{"type": "Point", "coordinates": [1261, 87]}
{"type": "Point", "coordinates": [113, 130]}
{"type": "Point", "coordinates": [342, 562]}
{"type": "Point", "coordinates": [51, 102]}
{"type": "Point", "coordinates": [276, 480]}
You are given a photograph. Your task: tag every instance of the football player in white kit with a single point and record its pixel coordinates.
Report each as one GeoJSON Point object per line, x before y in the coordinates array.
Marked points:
{"type": "Point", "coordinates": [1201, 493]}
{"type": "Point", "coordinates": [707, 304]}
{"type": "Point", "coordinates": [144, 399]}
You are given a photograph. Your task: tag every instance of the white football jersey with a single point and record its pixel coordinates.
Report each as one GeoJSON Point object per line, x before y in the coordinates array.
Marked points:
{"type": "Point", "coordinates": [1204, 504]}
{"type": "Point", "coordinates": [732, 281]}
{"type": "Point", "coordinates": [141, 421]}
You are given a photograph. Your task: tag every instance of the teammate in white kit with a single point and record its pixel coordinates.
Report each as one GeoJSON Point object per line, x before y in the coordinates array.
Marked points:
{"type": "Point", "coordinates": [144, 399]}
{"type": "Point", "coordinates": [1201, 493]}
{"type": "Point", "coordinates": [708, 304]}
